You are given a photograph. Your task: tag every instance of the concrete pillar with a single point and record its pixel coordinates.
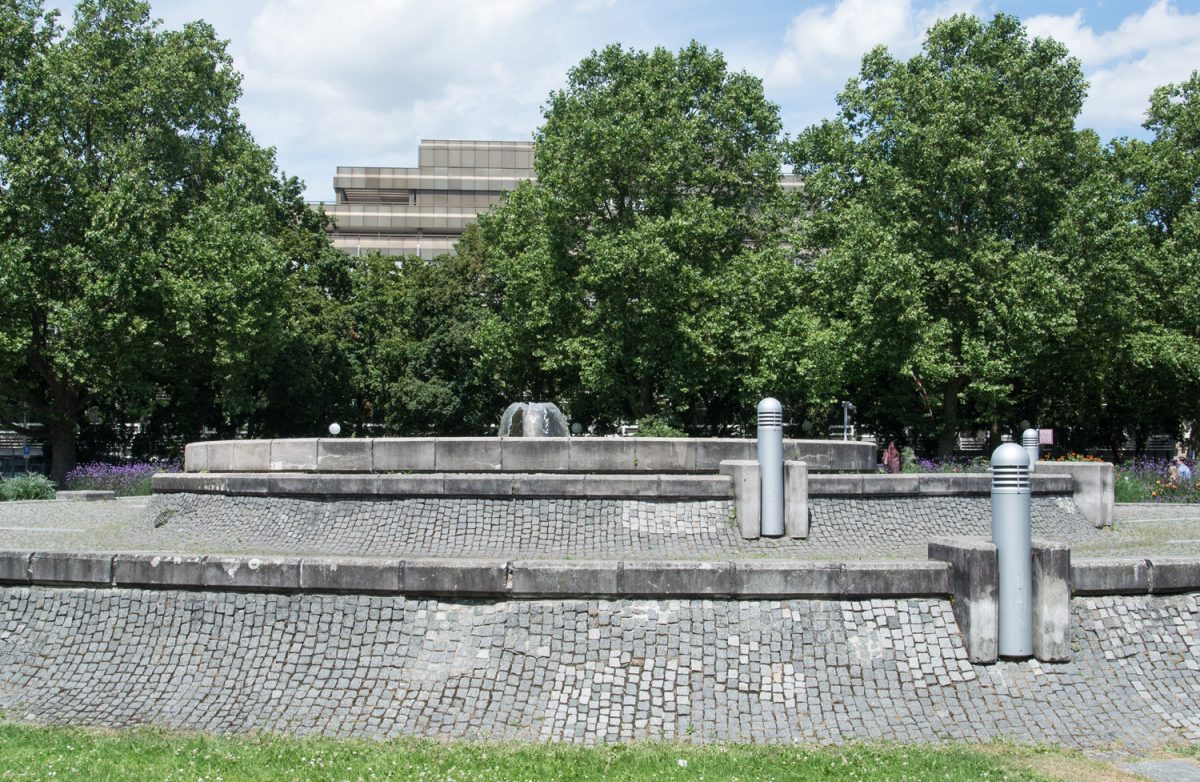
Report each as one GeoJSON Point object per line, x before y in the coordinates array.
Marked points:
{"type": "Point", "coordinates": [795, 500]}
{"type": "Point", "coordinates": [1051, 601]}
{"type": "Point", "coordinates": [747, 499]}
{"type": "Point", "coordinates": [974, 583]}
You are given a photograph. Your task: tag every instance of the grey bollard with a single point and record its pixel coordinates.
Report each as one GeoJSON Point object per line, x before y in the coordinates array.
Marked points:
{"type": "Point", "coordinates": [1014, 549]}
{"type": "Point", "coordinates": [770, 465]}
{"type": "Point", "coordinates": [1029, 440]}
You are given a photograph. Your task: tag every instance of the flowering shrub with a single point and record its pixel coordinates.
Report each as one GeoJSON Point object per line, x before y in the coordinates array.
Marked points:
{"type": "Point", "coordinates": [1076, 457]}
{"type": "Point", "coordinates": [910, 463]}
{"type": "Point", "coordinates": [1148, 480]}
{"type": "Point", "coordinates": [127, 480]}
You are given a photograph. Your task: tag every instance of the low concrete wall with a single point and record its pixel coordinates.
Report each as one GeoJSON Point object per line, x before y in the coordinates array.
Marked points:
{"type": "Point", "coordinates": [511, 454]}
{"type": "Point", "coordinates": [928, 485]}
{"type": "Point", "coordinates": [1093, 487]}
{"type": "Point", "coordinates": [473, 484]}
{"type": "Point", "coordinates": [496, 578]}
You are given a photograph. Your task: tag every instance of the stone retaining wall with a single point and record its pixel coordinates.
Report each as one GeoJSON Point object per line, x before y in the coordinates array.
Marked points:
{"type": "Point", "coordinates": [380, 666]}
{"type": "Point", "coordinates": [510, 454]}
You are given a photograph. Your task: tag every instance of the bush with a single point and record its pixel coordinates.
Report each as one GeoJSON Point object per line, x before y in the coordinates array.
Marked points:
{"type": "Point", "coordinates": [658, 426]}
{"type": "Point", "coordinates": [127, 480]}
{"type": "Point", "coordinates": [27, 487]}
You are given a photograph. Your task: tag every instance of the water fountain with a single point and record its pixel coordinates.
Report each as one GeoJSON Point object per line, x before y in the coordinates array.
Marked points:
{"type": "Point", "coordinates": [533, 419]}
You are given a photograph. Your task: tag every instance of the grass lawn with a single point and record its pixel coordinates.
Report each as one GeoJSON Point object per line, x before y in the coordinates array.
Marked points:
{"type": "Point", "coordinates": [29, 753]}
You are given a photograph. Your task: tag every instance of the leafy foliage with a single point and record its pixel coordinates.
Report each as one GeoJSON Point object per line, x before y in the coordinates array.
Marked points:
{"type": "Point", "coordinates": [27, 487]}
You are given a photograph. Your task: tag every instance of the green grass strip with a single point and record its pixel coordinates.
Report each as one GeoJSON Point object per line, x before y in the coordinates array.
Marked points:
{"type": "Point", "coordinates": [39, 753]}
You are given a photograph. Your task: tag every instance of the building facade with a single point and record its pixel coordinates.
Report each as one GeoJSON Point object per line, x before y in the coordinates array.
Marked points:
{"type": "Point", "coordinates": [422, 211]}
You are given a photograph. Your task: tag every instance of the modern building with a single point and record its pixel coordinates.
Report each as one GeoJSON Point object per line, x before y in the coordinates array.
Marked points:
{"type": "Point", "coordinates": [422, 211]}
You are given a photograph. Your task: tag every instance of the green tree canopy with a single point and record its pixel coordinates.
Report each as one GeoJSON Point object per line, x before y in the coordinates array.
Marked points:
{"type": "Point", "coordinates": [934, 194]}
{"type": "Point", "coordinates": [657, 212]}
{"type": "Point", "coordinates": [144, 237]}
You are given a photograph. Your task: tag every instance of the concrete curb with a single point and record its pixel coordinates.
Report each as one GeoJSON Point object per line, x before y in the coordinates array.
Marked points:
{"type": "Point", "coordinates": [509, 454]}
{"type": "Point", "coordinates": [496, 578]}
{"type": "Point", "coordinates": [466, 484]}
{"type": "Point", "coordinates": [927, 485]}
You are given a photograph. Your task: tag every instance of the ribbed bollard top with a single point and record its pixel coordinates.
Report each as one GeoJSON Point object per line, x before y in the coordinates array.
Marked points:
{"type": "Point", "coordinates": [1010, 469]}
{"type": "Point", "coordinates": [770, 412]}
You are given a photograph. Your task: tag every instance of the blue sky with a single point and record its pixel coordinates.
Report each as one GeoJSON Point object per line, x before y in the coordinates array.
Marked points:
{"type": "Point", "coordinates": [359, 82]}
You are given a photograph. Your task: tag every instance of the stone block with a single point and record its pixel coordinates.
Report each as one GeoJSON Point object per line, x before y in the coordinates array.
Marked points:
{"type": "Point", "coordinates": [14, 567]}
{"type": "Point", "coordinates": [664, 454]}
{"type": "Point", "coordinates": [534, 454]}
{"type": "Point", "coordinates": [955, 484]}
{"type": "Point", "coordinates": [349, 485]}
{"type": "Point", "coordinates": [87, 495]}
{"type": "Point", "coordinates": [298, 455]}
{"type": "Point", "coordinates": [158, 570]}
{"type": "Point", "coordinates": [258, 574]}
{"type": "Point", "coordinates": [786, 579]}
{"type": "Point", "coordinates": [795, 499]}
{"type": "Point", "coordinates": [695, 487]}
{"type": "Point", "coordinates": [417, 485]}
{"type": "Point", "coordinates": [549, 485]}
{"type": "Point", "coordinates": [195, 483]}
{"type": "Point", "coordinates": [302, 484]}
{"type": "Point", "coordinates": [601, 454]}
{"type": "Point", "coordinates": [1051, 601]}
{"type": "Point", "coordinates": [74, 569]}
{"type": "Point", "coordinates": [677, 579]}
{"type": "Point", "coordinates": [835, 485]}
{"type": "Point", "coordinates": [622, 486]}
{"type": "Point", "coordinates": [975, 587]}
{"type": "Point", "coordinates": [1094, 488]}
{"type": "Point", "coordinates": [747, 495]}
{"type": "Point", "coordinates": [1110, 577]}
{"type": "Point", "coordinates": [221, 455]}
{"type": "Point", "coordinates": [357, 575]}
{"type": "Point", "coordinates": [398, 454]}
{"type": "Point", "coordinates": [1174, 574]}
{"type": "Point", "coordinates": [251, 456]}
{"type": "Point", "coordinates": [891, 485]}
{"type": "Point", "coordinates": [1049, 483]}
{"type": "Point", "coordinates": [195, 457]}
{"type": "Point", "coordinates": [894, 579]}
{"type": "Point", "coordinates": [818, 455]}
{"type": "Point", "coordinates": [455, 577]}
{"type": "Point", "coordinates": [477, 485]}
{"type": "Point", "coordinates": [467, 454]}
{"type": "Point", "coordinates": [711, 451]}
{"type": "Point", "coordinates": [249, 484]}
{"type": "Point", "coordinates": [344, 454]}
{"type": "Point", "coordinates": [552, 578]}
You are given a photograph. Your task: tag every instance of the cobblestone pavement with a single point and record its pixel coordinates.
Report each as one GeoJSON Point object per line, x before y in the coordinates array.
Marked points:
{"type": "Point", "coordinates": [626, 529]}
{"type": "Point", "coordinates": [589, 671]}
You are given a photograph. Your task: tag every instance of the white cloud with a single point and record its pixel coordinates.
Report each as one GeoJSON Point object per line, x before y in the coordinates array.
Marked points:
{"type": "Point", "coordinates": [1123, 66]}
{"type": "Point", "coordinates": [828, 41]}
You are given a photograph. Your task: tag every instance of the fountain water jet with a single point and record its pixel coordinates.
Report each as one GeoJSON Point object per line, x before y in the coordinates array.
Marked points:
{"type": "Point", "coordinates": [533, 419]}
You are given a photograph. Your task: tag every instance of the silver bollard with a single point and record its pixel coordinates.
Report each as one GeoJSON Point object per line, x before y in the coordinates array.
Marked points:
{"type": "Point", "coordinates": [1014, 549]}
{"type": "Point", "coordinates": [1029, 440]}
{"type": "Point", "coordinates": [770, 465]}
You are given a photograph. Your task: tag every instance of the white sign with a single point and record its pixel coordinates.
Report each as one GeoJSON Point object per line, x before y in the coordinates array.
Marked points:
{"type": "Point", "coordinates": [1045, 437]}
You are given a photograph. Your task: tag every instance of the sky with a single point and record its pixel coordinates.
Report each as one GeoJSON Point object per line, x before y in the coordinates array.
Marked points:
{"type": "Point", "coordinates": [360, 82]}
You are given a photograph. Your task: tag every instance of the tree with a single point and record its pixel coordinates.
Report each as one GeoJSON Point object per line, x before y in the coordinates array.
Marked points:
{"type": "Point", "coordinates": [144, 237]}
{"type": "Point", "coordinates": [657, 204]}
{"type": "Point", "coordinates": [934, 193]}
{"type": "Point", "coordinates": [1163, 177]}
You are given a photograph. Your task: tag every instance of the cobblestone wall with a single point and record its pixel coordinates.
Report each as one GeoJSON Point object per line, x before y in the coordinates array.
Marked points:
{"type": "Point", "coordinates": [587, 670]}
{"type": "Point", "coordinates": [629, 529]}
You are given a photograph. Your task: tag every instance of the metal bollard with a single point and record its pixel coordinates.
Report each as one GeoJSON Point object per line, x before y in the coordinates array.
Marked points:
{"type": "Point", "coordinates": [770, 465]}
{"type": "Point", "coordinates": [1014, 549]}
{"type": "Point", "coordinates": [1029, 440]}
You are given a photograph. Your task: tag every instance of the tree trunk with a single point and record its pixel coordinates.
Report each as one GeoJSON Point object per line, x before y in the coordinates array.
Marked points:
{"type": "Point", "coordinates": [948, 434]}
{"type": "Point", "coordinates": [62, 448]}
